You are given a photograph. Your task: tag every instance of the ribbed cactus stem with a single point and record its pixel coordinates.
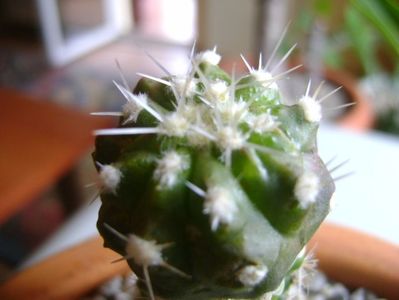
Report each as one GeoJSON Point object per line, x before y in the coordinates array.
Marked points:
{"type": "Point", "coordinates": [211, 185]}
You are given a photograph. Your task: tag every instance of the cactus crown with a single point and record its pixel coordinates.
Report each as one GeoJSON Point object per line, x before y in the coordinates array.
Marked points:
{"type": "Point", "coordinates": [211, 184]}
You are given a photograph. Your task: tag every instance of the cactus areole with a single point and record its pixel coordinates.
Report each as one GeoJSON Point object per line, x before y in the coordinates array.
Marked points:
{"type": "Point", "coordinates": [211, 185]}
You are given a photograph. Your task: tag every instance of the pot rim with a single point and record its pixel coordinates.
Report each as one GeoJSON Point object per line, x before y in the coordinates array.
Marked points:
{"type": "Point", "coordinates": [344, 254]}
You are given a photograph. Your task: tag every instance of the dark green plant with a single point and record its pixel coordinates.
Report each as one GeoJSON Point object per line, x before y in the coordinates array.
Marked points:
{"type": "Point", "coordinates": [361, 27]}
{"type": "Point", "coordinates": [381, 18]}
{"type": "Point", "coordinates": [212, 186]}
{"type": "Point", "coordinates": [362, 37]}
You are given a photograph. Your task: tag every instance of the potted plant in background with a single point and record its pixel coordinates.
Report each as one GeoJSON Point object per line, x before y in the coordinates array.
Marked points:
{"type": "Point", "coordinates": [360, 38]}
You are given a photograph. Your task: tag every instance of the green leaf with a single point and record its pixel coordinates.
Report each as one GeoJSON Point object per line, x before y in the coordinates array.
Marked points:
{"type": "Point", "coordinates": [323, 7]}
{"type": "Point", "coordinates": [374, 11]}
{"type": "Point", "coordinates": [392, 7]}
{"type": "Point", "coordinates": [362, 38]}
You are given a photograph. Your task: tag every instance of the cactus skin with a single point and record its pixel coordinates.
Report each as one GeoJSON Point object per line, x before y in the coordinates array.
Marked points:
{"type": "Point", "coordinates": [238, 202]}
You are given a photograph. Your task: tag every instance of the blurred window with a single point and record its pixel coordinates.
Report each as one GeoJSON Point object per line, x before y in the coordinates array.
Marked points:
{"type": "Point", "coordinates": [167, 20]}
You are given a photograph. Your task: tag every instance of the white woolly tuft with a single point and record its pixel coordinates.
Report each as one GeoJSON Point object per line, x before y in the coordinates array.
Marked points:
{"type": "Point", "coordinates": [208, 56]}
{"type": "Point", "coordinates": [233, 112]}
{"type": "Point", "coordinates": [175, 124]}
{"type": "Point", "coordinates": [311, 108]}
{"type": "Point", "coordinates": [266, 78]}
{"type": "Point", "coordinates": [262, 123]}
{"type": "Point", "coordinates": [143, 252]}
{"type": "Point", "coordinates": [218, 91]}
{"type": "Point", "coordinates": [306, 189]}
{"type": "Point", "coordinates": [110, 177]}
{"type": "Point", "coordinates": [220, 206]}
{"type": "Point", "coordinates": [252, 275]}
{"type": "Point", "coordinates": [169, 167]}
{"type": "Point", "coordinates": [230, 137]}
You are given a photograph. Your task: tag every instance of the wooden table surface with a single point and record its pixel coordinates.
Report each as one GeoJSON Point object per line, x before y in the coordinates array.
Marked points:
{"type": "Point", "coordinates": [39, 142]}
{"type": "Point", "coordinates": [344, 254]}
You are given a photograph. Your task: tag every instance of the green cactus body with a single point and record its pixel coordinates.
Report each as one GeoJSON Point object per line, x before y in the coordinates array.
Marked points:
{"type": "Point", "coordinates": [215, 179]}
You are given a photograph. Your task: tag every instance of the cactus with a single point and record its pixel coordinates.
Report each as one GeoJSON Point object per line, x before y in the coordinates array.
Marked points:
{"type": "Point", "coordinates": [211, 185]}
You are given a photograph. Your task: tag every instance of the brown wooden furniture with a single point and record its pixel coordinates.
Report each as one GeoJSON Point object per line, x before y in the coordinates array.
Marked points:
{"type": "Point", "coordinates": [68, 275]}
{"type": "Point", "coordinates": [39, 143]}
{"type": "Point", "coordinates": [358, 259]}
{"type": "Point", "coordinates": [344, 254]}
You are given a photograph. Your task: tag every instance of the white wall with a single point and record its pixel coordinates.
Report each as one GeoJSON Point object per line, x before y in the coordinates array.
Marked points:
{"type": "Point", "coordinates": [228, 24]}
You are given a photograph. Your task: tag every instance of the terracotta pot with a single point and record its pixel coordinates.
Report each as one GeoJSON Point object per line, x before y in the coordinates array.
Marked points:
{"type": "Point", "coordinates": [361, 116]}
{"type": "Point", "coordinates": [352, 257]}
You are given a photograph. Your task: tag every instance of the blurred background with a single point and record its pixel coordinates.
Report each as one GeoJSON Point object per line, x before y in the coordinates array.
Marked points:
{"type": "Point", "coordinates": [63, 52]}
